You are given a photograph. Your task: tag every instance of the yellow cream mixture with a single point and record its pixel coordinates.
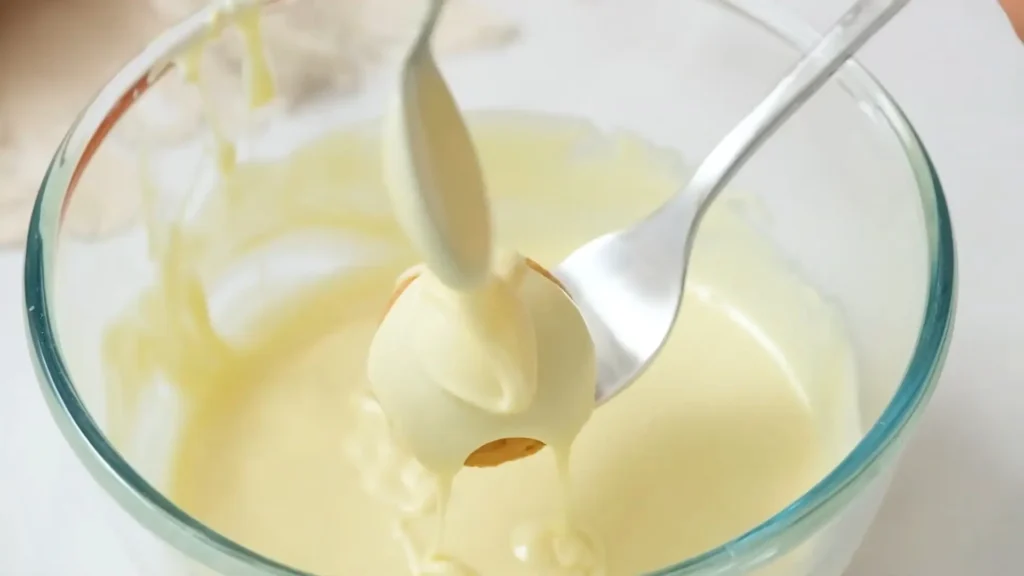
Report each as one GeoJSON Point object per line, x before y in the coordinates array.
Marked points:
{"type": "Point", "coordinates": [747, 407]}
{"type": "Point", "coordinates": [281, 448]}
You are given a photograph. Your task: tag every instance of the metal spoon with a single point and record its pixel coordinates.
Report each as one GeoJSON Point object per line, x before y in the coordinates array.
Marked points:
{"type": "Point", "coordinates": [629, 284]}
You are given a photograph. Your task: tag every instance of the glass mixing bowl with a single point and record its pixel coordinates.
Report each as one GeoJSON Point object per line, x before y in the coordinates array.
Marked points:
{"type": "Point", "coordinates": [846, 192]}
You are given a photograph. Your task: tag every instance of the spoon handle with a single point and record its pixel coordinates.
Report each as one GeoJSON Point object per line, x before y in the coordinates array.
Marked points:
{"type": "Point", "coordinates": [430, 20]}
{"type": "Point", "coordinates": [853, 30]}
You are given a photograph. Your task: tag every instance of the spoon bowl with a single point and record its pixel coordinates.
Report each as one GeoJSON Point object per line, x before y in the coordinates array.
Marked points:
{"type": "Point", "coordinates": [434, 176]}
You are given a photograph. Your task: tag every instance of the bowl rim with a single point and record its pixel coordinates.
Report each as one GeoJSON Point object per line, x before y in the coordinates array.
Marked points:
{"type": "Point", "coordinates": [159, 515]}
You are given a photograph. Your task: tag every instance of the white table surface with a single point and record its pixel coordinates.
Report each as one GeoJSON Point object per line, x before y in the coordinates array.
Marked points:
{"type": "Point", "coordinates": [957, 504]}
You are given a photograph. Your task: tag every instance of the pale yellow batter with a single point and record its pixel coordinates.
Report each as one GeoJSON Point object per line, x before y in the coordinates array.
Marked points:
{"type": "Point", "coordinates": [282, 447]}
{"type": "Point", "coordinates": [747, 407]}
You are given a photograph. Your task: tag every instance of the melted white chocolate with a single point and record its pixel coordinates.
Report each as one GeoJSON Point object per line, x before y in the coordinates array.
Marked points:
{"type": "Point", "coordinates": [281, 448]}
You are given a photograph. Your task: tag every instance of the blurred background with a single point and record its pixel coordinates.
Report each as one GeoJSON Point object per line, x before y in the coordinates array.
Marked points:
{"type": "Point", "coordinates": [54, 55]}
